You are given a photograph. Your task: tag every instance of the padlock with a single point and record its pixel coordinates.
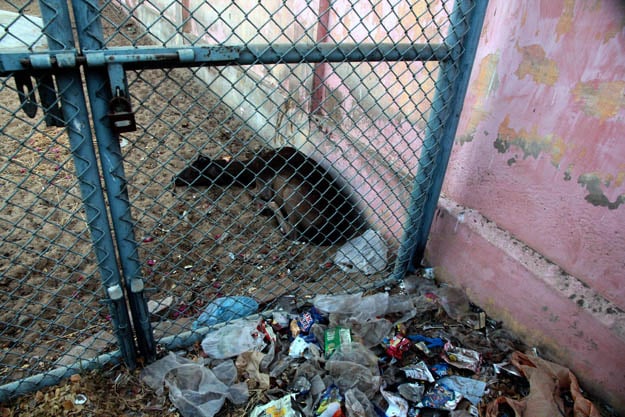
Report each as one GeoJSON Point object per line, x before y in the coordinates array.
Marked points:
{"type": "Point", "coordinates": [121, 115]}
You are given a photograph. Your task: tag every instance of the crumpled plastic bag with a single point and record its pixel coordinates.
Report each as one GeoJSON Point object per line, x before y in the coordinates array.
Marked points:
{"type": "Point", "coordinates": [195, 390]}
{"type": "Point", "coordinates": [366, 253]}
{"type": "Point", "coordinates": [233, 339]}
{"type": "Point", "coordinates": [355, 366]}
{"type": "Point", "coordinates": [547, 381]}
{"type": "Point", "coordinates": [353, 305]}
{"type": "Point", "coordinates": [360, 308]}
{"type": "Point", "coordinates": [357, 404]}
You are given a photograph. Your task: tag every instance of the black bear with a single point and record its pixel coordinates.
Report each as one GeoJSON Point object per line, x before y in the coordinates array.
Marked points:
{"type": "Point", "coordinates": [309, 203]}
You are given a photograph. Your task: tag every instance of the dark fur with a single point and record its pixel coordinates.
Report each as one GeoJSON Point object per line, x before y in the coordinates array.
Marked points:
{"type": "Point", "coordinates": [309, 203]}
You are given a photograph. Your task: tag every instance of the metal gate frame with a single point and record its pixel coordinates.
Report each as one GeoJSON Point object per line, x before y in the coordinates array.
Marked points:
{"type": "Point", "coordinates": [104, 75]}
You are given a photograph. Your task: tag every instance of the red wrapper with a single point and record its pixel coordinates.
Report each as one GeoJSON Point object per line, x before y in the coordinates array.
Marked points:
{"type": "Point", "coordinates": [397, 346]}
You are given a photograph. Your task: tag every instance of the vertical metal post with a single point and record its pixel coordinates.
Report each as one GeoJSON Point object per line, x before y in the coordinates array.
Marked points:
{"type": "Point", "coordinates": [57, 27]}
{"type": "Point", "coordinates": [464, 33]}
{"type": "Point", "coordinates": [319, 71]}
{"type": "Point", "coordinates": [90, 37]}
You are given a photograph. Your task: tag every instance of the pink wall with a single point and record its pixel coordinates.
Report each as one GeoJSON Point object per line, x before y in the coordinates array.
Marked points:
{"type": "Point", "coordinates": [540, 151]}
{"type": "Point", "coordinates": [541, 144]}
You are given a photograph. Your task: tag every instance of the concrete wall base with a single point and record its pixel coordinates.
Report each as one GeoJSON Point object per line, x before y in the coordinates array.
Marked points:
{"type": "Point", "coordinates": [565, 319]}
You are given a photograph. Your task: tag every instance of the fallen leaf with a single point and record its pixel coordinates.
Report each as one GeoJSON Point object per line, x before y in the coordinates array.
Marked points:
{"type": "Point", "coordinates": [68, 405]}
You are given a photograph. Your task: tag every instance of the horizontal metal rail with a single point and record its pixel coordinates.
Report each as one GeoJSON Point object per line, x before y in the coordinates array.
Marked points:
{"type": "Point", "coordinates": [150, 57]}
{"type": "Point", "coordinates": [55, 376]}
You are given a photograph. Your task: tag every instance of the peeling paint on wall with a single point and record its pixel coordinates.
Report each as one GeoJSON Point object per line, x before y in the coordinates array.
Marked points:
{"type": "Point", "coordinates": [565, 23]}
{"type": "Point", "coordinates": [485, 83]}
{"type": "Point", "coordinates": [536, 64]}
{"type": "Point", "coordinates": [601, 99]}
{"type": "Point", "coordinates": [593, 182]}
{"type": "Point", "coordinates": [529, 142]}
{"type": "Point", "coordinates": [568, 172]}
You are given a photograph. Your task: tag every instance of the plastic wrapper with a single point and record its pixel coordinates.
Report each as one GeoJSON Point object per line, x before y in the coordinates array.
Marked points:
{"type": "Point", "coordinates": [301, 386]}
{"type": "Point", "coordinates": [233, 339]}
{"type": "Point", "coordinates": [353, 306]}
{"type": "Point", "coordinates": [430, 342]}
{"type": "Point", "coordinates": [507, 368]}
{"type": "Point", "coordinates": [298, 347]}
{"type": "Point", "coordinates": [366, 253]}
{"type": "Point", "coordinates": [370, 332]}
{"type": "Point", "coordinates": [267, 331]}
{"type": "Point", "coordinates": [280, 407]}
{"type": "Point", "coordinates": [280, 320]}
{"type": "Point", "coordinates": [269, 358]}
{"type": "Point", "coordinates": [330, 404]}
{"type": "Point", "coordinates": [418, 371]}
{"type": "Point", "coordinates": [195, 390]}
{"type": "Point", "coordinates": [226, 309]}
{"type": "Point", "coordinates": [428, 345]}
{"type": "Point", "coordinates": [469, 388]}
{"type": "Point", "coordinates": [400, 303]}
{"type": "Point", "coordinates": [312, 374]}
{"type": "Point", "coordinates": [334, 338]}
{"type": "Point", "coordinates": [396, 405]}
{"type": "Point", "coordinates": [462, 358]}
{"type": "Point", "coordinates": [358, 405]}
{"type": "Point", "coordinates": [397, 346]}
{"type": "Point", "coordinates": [306, 320]}
{"type": "Point", "coordinates": [413, 392]}
{"type": "Point", "coordinates": [454, 301]}
{"type": "Point", "coordinates": [441, 369]}
{"type": "Point", "coordinates": [340, 303]}
{"type": "Point", "coordinates": [440, 397]}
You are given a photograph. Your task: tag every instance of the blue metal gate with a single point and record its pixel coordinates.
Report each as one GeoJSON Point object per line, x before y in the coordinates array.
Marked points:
{"type": "Point", "coordinates": [370, 91]}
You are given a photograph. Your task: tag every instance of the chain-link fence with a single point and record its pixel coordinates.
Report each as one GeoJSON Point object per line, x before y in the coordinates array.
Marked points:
{"type": "Point", "coordinates": [307, 124]}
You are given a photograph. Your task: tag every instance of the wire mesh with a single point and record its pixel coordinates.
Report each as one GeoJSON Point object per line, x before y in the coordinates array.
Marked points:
{"type": "Point", "coordinates": [53, 320]}
{"type": "Point", "coordinates": [363, 123]}
{"type": "Point", "coordinates": [50, 288]}
{"type": "Point", "coordinates": [196, 244]}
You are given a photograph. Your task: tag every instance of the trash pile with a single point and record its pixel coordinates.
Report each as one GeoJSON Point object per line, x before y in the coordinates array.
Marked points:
{"type": "Point", "coordinates": [422, 351]}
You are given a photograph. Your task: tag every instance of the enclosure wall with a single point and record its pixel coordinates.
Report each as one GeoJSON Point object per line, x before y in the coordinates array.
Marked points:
{"type": "Point", "coordinates": [533, 225]}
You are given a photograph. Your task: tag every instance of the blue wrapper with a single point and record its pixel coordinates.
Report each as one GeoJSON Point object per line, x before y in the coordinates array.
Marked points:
{"type": "Point", "coordinates": [308, 318]}
{"type": "Point", "coordinates": [441, 369]}
{"type": "Point", "coordinates": [440, 397]}
{"type": "Point", "coordinates": [430, 342]}
{"type": "Point", "coordinates": [330, 403]}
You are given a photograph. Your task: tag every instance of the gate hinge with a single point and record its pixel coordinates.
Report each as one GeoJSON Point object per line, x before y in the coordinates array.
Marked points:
{"type": "Point", "coordinates": [65, 59]}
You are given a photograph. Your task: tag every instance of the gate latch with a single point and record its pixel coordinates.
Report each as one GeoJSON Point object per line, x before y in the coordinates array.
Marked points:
{"type": "Point", "coordinates": [121, 115]}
